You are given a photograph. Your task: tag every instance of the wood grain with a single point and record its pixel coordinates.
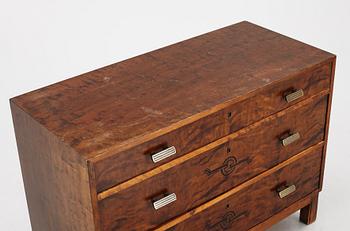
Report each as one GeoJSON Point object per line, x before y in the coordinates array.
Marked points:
{"type": "Point", "coordinates": [111, 109]}
{"type": "Point", "coordinates": [110, 171]}
{"type": "Point", "coordinates": [219, 98]}
{"type": "Point", "coordinates": [308, 214]}
{"type": "Point", "coordinates": [272, 98]}
{"type": "Point", "coordinates": [285, 212]}
{"type": "Point", "coordinates": [328, 117]}
{"type": "Point", "coordinates": [55, 178]}
{"type": "Point", "coordinates": [196, 181]}
{"type": "Point", "coordinates": [312, 132]}
{"type": "Point", "coordinates": [255, 200]}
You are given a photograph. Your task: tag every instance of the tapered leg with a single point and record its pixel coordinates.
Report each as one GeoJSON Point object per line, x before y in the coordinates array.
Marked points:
{"type": "Point", "coordinates": [308, 214]}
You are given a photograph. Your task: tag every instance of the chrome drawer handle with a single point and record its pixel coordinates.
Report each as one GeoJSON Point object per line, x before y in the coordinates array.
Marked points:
{"type": "Point", "coordinates": [291, 139]}
{"type": "Point", "coordinates": [287, 191]}
{"type": "Point", "coordinates": [163, 154]}
{"type": "Point", "coordinates": [164, 201]}
{"type": "Point", "coordinates": [294, 95]}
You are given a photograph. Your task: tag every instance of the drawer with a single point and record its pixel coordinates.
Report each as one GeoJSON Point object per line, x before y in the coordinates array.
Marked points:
{"type": "Point", "coordinates": [258, 199]}
{"type": "Point", "coordinates": [110, 170]}
{"type": "Point", "coordinates": [208, 172]}
{"type": "Point", "coordinates": [278, 97]}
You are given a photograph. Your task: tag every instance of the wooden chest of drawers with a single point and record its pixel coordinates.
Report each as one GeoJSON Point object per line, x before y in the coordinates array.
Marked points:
{"type": "Point", "coordinates": [224, 131]}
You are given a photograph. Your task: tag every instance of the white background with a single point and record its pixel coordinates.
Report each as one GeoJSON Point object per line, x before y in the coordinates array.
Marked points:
{"type": "Point", "coordinates": [42, 42]}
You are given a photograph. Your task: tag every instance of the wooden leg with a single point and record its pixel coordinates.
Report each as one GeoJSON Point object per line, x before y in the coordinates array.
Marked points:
{"type": "Point", "coordinates": [308, 213]}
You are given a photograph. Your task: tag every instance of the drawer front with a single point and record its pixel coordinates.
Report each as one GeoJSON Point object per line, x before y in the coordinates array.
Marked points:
{"type": "Point", "coordinates": [243, 209]}
{"type": "Point", "coordinates": [111, 171]}
{"type": "Point", "coordinates": [279, 97]}
{"type": "Point", "coordinates": [130, 163]}
{"type": "Point", "coordinates": [223, 165]}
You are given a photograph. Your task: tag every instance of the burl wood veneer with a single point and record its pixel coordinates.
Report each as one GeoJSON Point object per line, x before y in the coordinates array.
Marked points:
{"type": "Point", "coordinates": [224, 131]}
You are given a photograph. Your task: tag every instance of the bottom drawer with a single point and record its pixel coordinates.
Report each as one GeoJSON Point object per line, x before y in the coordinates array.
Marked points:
{"type": "Point", "coordinates": [254, 201]}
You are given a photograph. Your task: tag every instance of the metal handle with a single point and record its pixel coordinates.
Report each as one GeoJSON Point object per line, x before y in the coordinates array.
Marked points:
{"type": "Point", "coordinates": [163, 154]}
{"type": "Point", "coordinates": [164, 201]}
{"type": "Point", "coordinates": [294, 95]}
{"type": "Point", "coordinates": [287, 191]}
{"type": "Point", "coordinates": [290, 139]}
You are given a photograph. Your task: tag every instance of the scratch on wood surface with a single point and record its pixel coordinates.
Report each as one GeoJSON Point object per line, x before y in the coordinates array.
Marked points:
{"type": "Point", "coordinates": [266, 80]}
{"type": "Point", "coordinates": [106, 78]}
{"type": "Point", "coordinates": [151, 111]}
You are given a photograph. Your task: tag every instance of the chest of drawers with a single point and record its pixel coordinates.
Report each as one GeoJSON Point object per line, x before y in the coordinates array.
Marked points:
{"type": "Point", "coordinates": [224, 131]}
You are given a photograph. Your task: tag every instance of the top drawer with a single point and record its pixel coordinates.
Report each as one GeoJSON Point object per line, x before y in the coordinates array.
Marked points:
{"type": "Point", "coordinates": [115, 169]}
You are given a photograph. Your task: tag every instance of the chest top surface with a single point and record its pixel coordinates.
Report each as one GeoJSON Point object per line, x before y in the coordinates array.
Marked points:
{"type": "Point", "coordinates": [120, 103]}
